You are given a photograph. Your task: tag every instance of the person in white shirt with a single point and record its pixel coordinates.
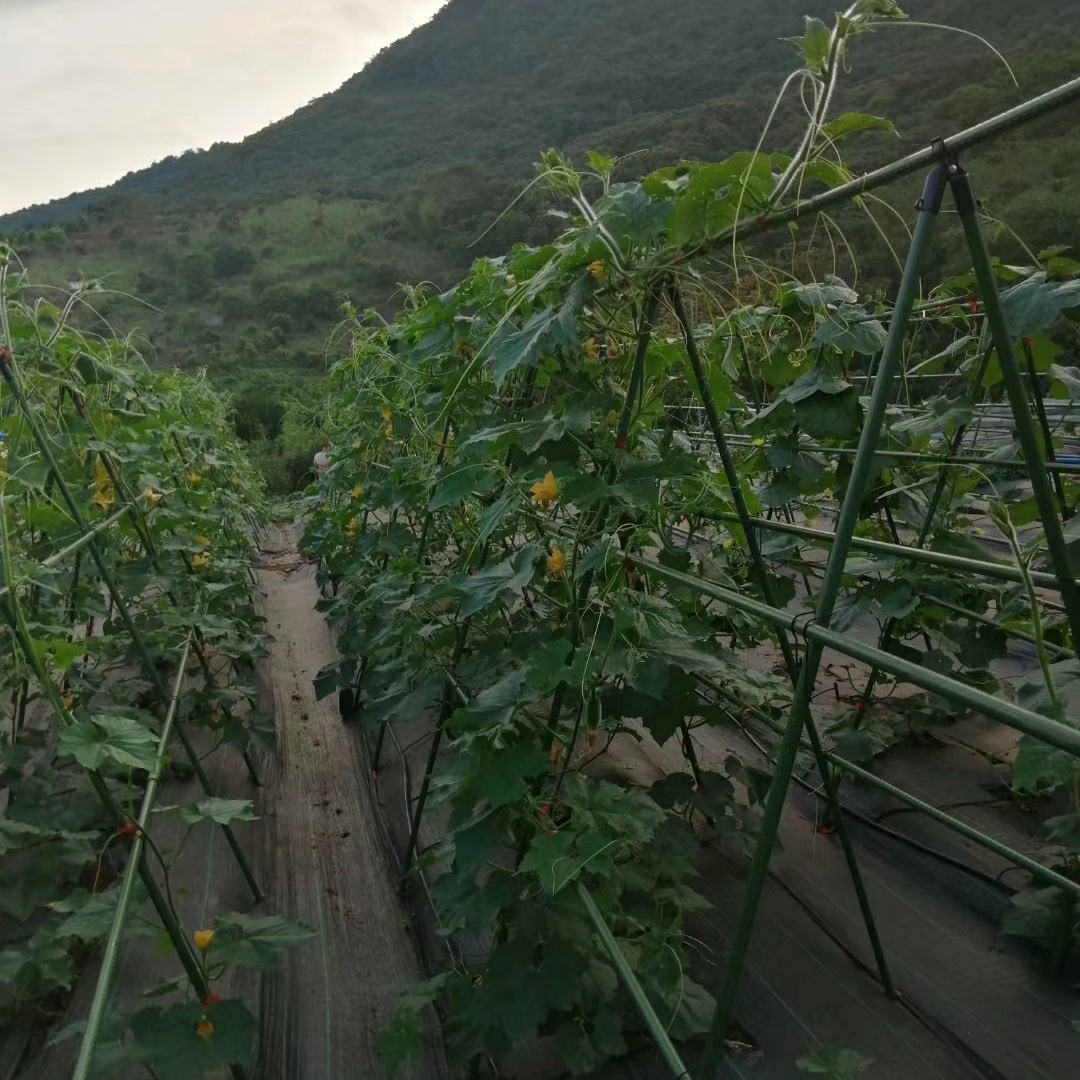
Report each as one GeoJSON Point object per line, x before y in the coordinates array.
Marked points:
{"type": "Point", "coordinates": [322, 459]}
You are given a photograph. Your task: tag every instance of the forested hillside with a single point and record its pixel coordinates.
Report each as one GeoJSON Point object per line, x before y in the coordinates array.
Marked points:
{"type": "Point", "coordinates": [245, 253]}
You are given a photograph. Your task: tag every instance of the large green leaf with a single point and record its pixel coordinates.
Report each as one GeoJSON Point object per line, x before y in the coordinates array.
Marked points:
{"type": "Point", "coordinates": [220, 811]}
{"type": "Point", "coordinates": [255, 941]}
{"type": "Point", "coordinates": [169, 1040]}
{"type": "Point", "coordinates": [118, 739]}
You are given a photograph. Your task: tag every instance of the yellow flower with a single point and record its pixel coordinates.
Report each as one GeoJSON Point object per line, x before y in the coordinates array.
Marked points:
{"type": "Point", "coordinates": [104, 492]}
{"type": "Point", "coordinates": [151, 496]}
{"type": "Point", "coordinates": [556, 562]}
{"type": "Point", "coordinates": [827, 493]}
{"type": "Point", "coordinates": [729, 544]}
{"type": "Point", "coordinates": [596, 269]}
{"type": "Point", "coordinates": [612, 418]}
{"type": "Point", "coordinates": [200, 561]}
{"type": "Point", "coordinates": [69, 702]}
{"type": "Point", "coordinates": [202, 541]}
{"type": "Point", "coordinates": [388, 431]}
{"type": "Point", "coordinates": [592, 350]}
{"type": "Point", "coordinates": [204, 1029]}
{"type": "Point", "coordinates": [194, 478]}
{"type": "Point", "coordinates": [388, 414]}
{"type": "Point", "coordinates": [203, 939]}
{"type": "Point", "coordinates": [612, 351]}
{"type": "Point", "coordinates": [545, 491]}
{"type": "Point", "coordinates": [352, 528]}
{"type": "Point", "coordinates": [357, 492]}
{"type": "Point", "coordinates": [357, 445]}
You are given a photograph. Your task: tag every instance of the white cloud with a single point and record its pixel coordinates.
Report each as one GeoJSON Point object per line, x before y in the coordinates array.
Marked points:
{"type": "Point", "coordinates": [96, 88]}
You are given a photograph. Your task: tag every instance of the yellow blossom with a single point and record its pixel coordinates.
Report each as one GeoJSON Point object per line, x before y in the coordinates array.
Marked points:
{"type": "Point", "coordinates": [357, 445]}
{"type": "Point", "coordinates": [596, 269]}
{"type": "Point", "coordinates": [592, 350]}
{"type": "Point", "coordinates": [388, 431]}
{"type": "Point", "coordinates": [357, 492]}
{"type": "Point", "coordinates": [388, 414]}
{"type": "Point", "coordinates": [203, 939]}
{"type": "Point", "coordinates": [545, 491]}
{"type": "Point", "coordinates": [204, 1029]}
{"type": "Point", "coordinates": [69, 702]}
{"type": "Point", "coordinates": [200, 561]}
{"type": "Point", "coordinates": [104, 492]}
{"type": "Point", "coordinates": [612, 351]}
{"type": "Point", "coordinates": [556, 562]}
{"type": "Point", "coordinates": [202, 541]}
{"type": "Point", "coordinates": [352, 528]}
{"type": "Point", "coordinates": [194, 478]}
{"type": "Point", "coordinates": [151, 496]}
{"type": "Point", "coordinates": [612, 418]}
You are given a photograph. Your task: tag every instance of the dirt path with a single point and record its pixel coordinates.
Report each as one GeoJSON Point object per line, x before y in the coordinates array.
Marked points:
{"type": "Point", "coordinates": [323, 858]}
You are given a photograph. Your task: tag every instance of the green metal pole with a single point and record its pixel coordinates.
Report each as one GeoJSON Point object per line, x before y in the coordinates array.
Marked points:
{"type": "Point", "coordinates": [926, 459]}
{"type": "Point", "coordinates": [1038, 726]}
{"type": "Point", "coordinates": [942, 559]}
{"type": "Point", "coordinates": [799, 715]}
{"type": "Point", "coordinates": [731, 474]}
{"type": "Point", "coordinates": [1014, 386]}
{"type": "Point", "coordinates": [112, 945]}
{"type": "Point", "coordinates": [633, 987]}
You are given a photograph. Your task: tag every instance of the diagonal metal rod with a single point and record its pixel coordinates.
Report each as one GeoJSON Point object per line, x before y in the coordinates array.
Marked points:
{"type": "Point", "coordinates": [799, 714]}
{"type": "Point", "coordinates": [634, 988]}
{"type": "Point", "coordinates": [1026, 431]}
{"type": "Point", "coordinates": [765, 584]}
{"type": "Point", "coordinates": [905, 166]}
{"type": "Point", "coordinates": [100, 1002]}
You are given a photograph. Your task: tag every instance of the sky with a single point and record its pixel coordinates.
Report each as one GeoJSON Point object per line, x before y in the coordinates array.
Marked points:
{"type": "Point", "coordinates": [94, 89]}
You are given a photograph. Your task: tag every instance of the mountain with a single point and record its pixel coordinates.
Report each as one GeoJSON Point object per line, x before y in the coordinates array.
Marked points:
{"type": "Point", "coordinates": [245, 251]}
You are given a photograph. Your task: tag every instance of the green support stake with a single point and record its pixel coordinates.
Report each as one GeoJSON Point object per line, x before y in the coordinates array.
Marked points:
{"type": "Point", "coordinates": [1030, 445]}
{"type": "Point", "coordinates": [799, 714]}
{"type": "Point", "coordinates": [634, 988]}
{"type": "Point", "coordinates": [100, 1002]}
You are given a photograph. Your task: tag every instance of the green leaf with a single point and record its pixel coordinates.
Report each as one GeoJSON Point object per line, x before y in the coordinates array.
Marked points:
{"type": "Point", "coordinates": [836, 1064]}
{"type": "Point", "coordinates": [1038, 915]}
{"type": "Point", "coordinates": [454, 485]}
{"type": "Point", "coordinates": [829, 414]}
{"type": "Point", "coordinates": [814, 45]}
{"type": "Point", "coordinates": [255, 941]}
{"type": "Point", "coordinates": [849, 123]}
{"type": "Point", "coordinates": [221, 811]}
{"type": "Point", "coordinates": [1041, 768]}
{"type": "Point", "coordinates": [483, 588]}
{"type": "Point", "coordinates": [402, 1040]}
{"type": "Point", "coordinates": [168, 1039]}
{"type": "Point", "coordinates": [90, 915]}
{"type": "Point", "coordinates": [118, 739]}
{"type": "Point", "coordinates": [514, 348]}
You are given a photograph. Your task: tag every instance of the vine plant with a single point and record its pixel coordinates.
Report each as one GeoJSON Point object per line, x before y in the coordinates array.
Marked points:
{"type": "Point", "coordinates": [501, 449]}
{"type": "Point", "coordinates": [127, 516]}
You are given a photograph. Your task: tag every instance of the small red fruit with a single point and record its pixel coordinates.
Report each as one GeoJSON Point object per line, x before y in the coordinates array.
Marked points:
{"type": "Point", "coordinates": [213, 999]}
{"type": "Point", "coordinates": [620, 444]}
{"type": "Point", "coordinates": [129, 828]}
